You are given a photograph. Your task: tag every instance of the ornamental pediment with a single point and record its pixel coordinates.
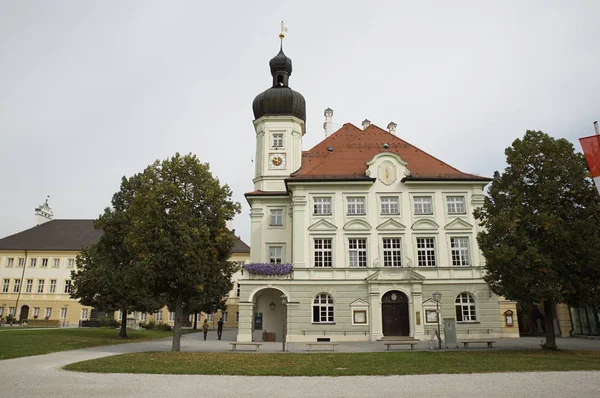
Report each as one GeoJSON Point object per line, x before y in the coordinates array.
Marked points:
{"type": "Point", "coordinates": [391, 225]}
{"type": "Point", "coordinates": [425, 225]}
{"type": "Point", "coordinates": [395, 274]}
{"type": "Point", "coordinates": [458, 224]}
{"type": "Point", "coordinates": [359, 303]}
{"type": "Point", "coordinates": [322, 225]}
{"type": "Point", "coordinates": [357, 225]}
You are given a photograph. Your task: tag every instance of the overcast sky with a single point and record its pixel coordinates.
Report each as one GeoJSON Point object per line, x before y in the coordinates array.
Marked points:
{"type": "Point", "coordinates": [94, 90]}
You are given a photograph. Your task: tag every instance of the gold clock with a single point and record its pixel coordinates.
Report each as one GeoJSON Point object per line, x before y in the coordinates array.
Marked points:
{"type": "Point", "coordinates": [277, 161]}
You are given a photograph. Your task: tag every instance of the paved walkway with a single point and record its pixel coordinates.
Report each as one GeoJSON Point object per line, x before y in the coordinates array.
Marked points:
{"type": "Point", "coordinates": [42, 375]}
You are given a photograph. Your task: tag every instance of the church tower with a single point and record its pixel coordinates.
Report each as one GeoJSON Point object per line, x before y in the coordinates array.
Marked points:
{"type": "Point", "coordinates": [280, 116]}
{"type": "Point", "coordinates": [43, 213]}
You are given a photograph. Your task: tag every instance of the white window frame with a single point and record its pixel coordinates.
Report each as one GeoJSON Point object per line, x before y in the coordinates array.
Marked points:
{"type": "Point", "coordinates": [143, 317]}
{"type": "Point", "coordinates": [276, 217]}
{"type": "Point", "coordinates": [63, 313]}
{"type": "Point", "coordinates": [5, 285]}
{"type": "Point", "coordinates": [32, 262]}
{"type": "Point", "coordinates": [36, 311]}
{"type": "Point", "coordinates": [322, 206]}
{"type": "Point", "coordinates": [324, 304]}
{"type": "Point", "coordinates": [323, 252]}
{"type": "Point", "coordinates": [28, 285]}
{"type": "Point", "coordinates": [466, 311]}
{"type": "Point", "coordinates": [11, 310]}
{"type": "Point", "coordinates": [40, 285]}
{"type": "Point", "coordinates": [356, 206]}
{"type": "Point", "coordinates": [158, 316]}
{"type": "Point", "coordinates": [10, 261]}
{"type": "Point", "coordinates": [210, 317]}
{"type": "Point", "coordinates": [357, 252]}
{"type": "Point", "coordinates": [426, 256]}
{"type": "Point", "coordinates": [423, 205]}
{"type": "Point", "coordinates": [44, 263]}
{"type": "Point", "coordinates": [277, 140]}
{"type": "Point", "coordinates": [17, 286]}
{"type": "Point", "coordinates": [459, 251]}
{"type": "Point", "coordinates": [52, 286]}
{"type": "Point", "coordinates": [273, 256]}
{"type": "Point", "coordinates": [225, 316]}
{"type": "Point", "coordinates": [456, 206]}
{"type": "Point", "coordinates": [67, 286]}
{"type": "Point", "coordinates": [21, 262]}
{"type": "Point", "coordinates": [71, 263]}
{"type": "Point", "coordinates": [392, 251]}
{"type": "Point", "coordinates": [390, 205]}
{"type": "Point", "coordinates": [84, 313]}
{"type": "Point", "coordinates": [1, 312]}
{"type": "Point", "coordinates": [171, 316]}
{"type": "Point", "coordinates": [48, 313]}
{"type": "Point", "coordinates": [56, 263]}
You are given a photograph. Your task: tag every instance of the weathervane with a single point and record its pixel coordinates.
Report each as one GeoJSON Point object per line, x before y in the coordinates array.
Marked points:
{"type": "Point", "coordinates": [282, 32]}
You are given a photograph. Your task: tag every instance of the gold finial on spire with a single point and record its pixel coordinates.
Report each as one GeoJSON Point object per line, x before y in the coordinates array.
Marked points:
{"type": "Point", "coordinates": [282, 32]}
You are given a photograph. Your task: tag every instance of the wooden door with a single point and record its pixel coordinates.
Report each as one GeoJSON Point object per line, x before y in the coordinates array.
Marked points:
{"type": "Point", "coordinates": [394, 313]}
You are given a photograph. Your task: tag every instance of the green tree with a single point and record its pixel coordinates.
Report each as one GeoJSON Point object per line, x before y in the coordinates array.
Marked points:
{"type": "Point", "coordinates": [541, 227]}
{"type": "Point", "coordinates": [178, 212]}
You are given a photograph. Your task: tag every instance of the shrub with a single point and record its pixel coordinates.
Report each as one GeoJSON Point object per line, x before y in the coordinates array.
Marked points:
{"type": "Point", "coordinates": [148, 325]}
{"type": "Point", "coordinates": [109, 323]}
{"type": "Point", "coordinates": [164, 326]}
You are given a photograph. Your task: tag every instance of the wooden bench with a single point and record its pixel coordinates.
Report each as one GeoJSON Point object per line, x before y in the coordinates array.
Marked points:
{"type": "Point", "coordinates": [255, 345]}
{"type": "Point", "coordinates": [490, 343]}
{"type": "Point", "coordinates": [311, 345]}
{"type": "Point", "coordinates": [412, 344]}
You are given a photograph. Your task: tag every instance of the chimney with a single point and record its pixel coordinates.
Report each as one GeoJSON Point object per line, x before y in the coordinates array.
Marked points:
{"type": "Point", "coordinates": [43, 213]}
{"type": "Point", "coordinates": [366, 123]}
{"type": "Point", "coordinates": [328, 125]}
{"type": "Point", "coordinates": [392, 127]}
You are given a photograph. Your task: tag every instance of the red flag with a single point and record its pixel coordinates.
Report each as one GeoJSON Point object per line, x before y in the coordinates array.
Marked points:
{"type": "Point", "coordinates": [591, 150]}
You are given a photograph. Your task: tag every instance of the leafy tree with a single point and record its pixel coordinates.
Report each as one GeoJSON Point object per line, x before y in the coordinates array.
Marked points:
{"type": "Point", "coordinates": [177, 213]}
{"type": "Point", "coordinates": [541, 235]}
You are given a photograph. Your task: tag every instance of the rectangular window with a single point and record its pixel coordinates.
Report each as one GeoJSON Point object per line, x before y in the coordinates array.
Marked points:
{"type": "Point", "coordinates": [36, 312]}
{"type": "Point", "coordinates": [158, 316]}
{"type": "Point", "coordinates": [225, 316]}
{"type": "Point", "coordinates": [322, 206]}
{"type": "Point", "coordinates": [276, 218]}
{"type": "Point", "coordinates": [357, 252]}
{"type": "Point", "coordinates": [5, 284]}
{"type": "Point", "coordinates": [71, 263]}
{"type": "Point", "coordinates": [237, 290]}
{"type": "Point", "coordinates": [52, 285]}
{"type": "Point", "coordinates": [209, 317]}
{"type": "Point", "coordinates": [84, 313]}
{"type": "Point", "coordinates": [389, 205]}
{"type": "Point", "coordinates": [423, 205]}
{"type": "Point", "coordinates": [10, 261]}
{"type": "Point", "coordinates": [456, 205]}
{"type": "Point", "coordinates": [40, 288]}
{"type": "Point", "coordinates": [143, 317]}
{"type": "Point", "coordinates": [460, 251]}
{"type": "Point", "coordinates": [1, 312]}
{"type": "Point", "coordinates": [32, 262]}
{"type": "Point", "coordinates": [29, 286]}
{"type": "Point", "coordinates": [63, 313]}
{"type": "Point", "coordinates": [48, 313]}
{"type": "Point", "coordinates": [21, 262]}
{"type": "Point", "coordinates": [275, 254]}
{"type": "Point", "coordinates": [56, 263]}
{"type": "Point", "coordinates": [359, 317]}
{"type": "Point", "coordinates": [44, 262]}
{"type": "Point", "coordinates": [356, 206]}
{"type": "Point", "coordinates": [323, 253]}
{"type": "Point", "coordinates": [17, 286]}
{"type": "Point", "coordinates": [392, 252]}
{"type": "Point", "coordinates": [171, 316]}
{"type": "Point", "coordinates": [67, 286]}
{"type": "Point", "coordinates": [237, 317]}
{"type": "Point", "coordinates": [277, 140]}
{"type": "Point", "coordinates": [11, 310]}
{"type": "Point", "coordinates": [426, 252]}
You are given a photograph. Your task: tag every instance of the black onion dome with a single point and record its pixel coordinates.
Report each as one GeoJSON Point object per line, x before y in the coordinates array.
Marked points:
{"type": "Point", "coordinates": [280, 99]}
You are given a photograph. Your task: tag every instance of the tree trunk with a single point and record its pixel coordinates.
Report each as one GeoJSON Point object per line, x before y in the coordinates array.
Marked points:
{"type": "Point", "coordinates": [195, 320]}
{"type": "Point", "coordinates": [123, 331]}
{"type": "Point", "coordinates": [177, 327]}
{"type": "Point", "coordinates": [549, 323]}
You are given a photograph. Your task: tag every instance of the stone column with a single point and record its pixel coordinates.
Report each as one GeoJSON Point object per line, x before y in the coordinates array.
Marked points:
{"type": "Point", "coordinates": [299, 231]}
{"type": "Point", "coordinates": [245, 324]}
{"type": "Point", "coordinates": [417, 331]}
{"type": "Point", "coordinates": [375, 313]}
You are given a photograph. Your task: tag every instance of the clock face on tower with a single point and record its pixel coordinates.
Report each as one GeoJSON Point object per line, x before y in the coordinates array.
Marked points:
{"type": "Point", "coordinates": [277, 161]}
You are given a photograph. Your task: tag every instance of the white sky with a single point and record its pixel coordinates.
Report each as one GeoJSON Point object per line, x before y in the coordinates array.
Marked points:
{"type": "Point", "coordinates": [91, 91]}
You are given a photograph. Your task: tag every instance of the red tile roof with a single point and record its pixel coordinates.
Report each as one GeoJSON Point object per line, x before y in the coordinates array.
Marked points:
{"type": "Point", "coordinates": [353, 147]}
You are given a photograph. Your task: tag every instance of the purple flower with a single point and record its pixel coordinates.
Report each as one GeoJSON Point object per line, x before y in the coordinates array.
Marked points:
{"type": "Point", "coordinates": [268, 269]}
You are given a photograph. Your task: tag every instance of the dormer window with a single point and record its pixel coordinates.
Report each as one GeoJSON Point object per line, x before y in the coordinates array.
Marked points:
{"type": "Point", "coordinates": [277, 140]}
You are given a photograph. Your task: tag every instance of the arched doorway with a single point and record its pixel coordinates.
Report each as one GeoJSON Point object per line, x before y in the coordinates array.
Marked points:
{"type": "Point", "coordinates": [268, 316]}
{"type": "Point", "coordinates": [394, 313]}
{"type": "Point", "coordinates": [24, 312]}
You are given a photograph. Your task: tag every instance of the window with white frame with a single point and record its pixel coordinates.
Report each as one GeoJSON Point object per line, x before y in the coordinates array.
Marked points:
{"type": "Point", "coordinates": [426, 252]}
{"type": "Point", "coordinates": [36, 312]}
{"type": "Point", "coordinates": [171, 316]}
{"type": "Point", "coordinates": [277, 140]}
{"type": "Point", "coordinates": [56, 263]}
{"type": "Point", "coordinates": [209, 317]}
{"type": "Point", "coordinates": [28, 285]}
{"type": "Point", "coordinates": [44, 263]}
{"type": "Point", "coordinates": [1, 312]}
{"type": "Point", "coordinates": [71, 263]}
{"type": "Point", "coordinates": [460, 251]}
{"type": "Point", "coordinates": [40, 287]}
{"type": "Point", "coordinates": [33, 262]}
{"type": "Point", "coordinates": [143, 316]}
{"type": "Point", "coordinates": [237, 317]}
{"type": "Point", "coordinates": [63, 313]}
{"type": "Point", "coordinates": [237, 290]}
{"type": "Point", "coordinates": [323, 253]}
{"type": "Point", "coordinates": [17, 286]}
{"type": "Point", "coordinates": [356, 205]}
{"type": "Point", "coordinates": [84, 313]}
{"type": "Point", "coordinates": [389, 205]}
{"type": "Point", "coordinates": [323, 309]}
{"type": "Point", "coordinates": [423, 205]}
{"type": "Point", "coordinates": [48, 313]}
{"type": "Point", "coordinates": [158, 316]}
{"type": "Point", "coordinates": [10, 261]}
{"type": "Point", "coordinates": [456, 204]}
{"type": "Point", "coordinates": [21, 262]}
{"type": "Point", "coordinates": [275, 254]}
{"type": "Point", "coordinates": [322, 206]}
{"type": "Point", "coordinates": [465, 308]}
{"type": "Point", "coordinates": [225, 316]}
{"type": "Point", "coordinates": [357, 252]}
{"type": "Point", "coordinates": [67, 286]}
{"type": "Point", "coordinates": [276, 218]}
{"type": "Point", "coordinates": [52, 285]}
{"type": "Point", "coordinates": [11, 310]}
{"type": "Point", "coordinates": [5, 284]}
{"type": "Point", "coordinates": [392, 252]}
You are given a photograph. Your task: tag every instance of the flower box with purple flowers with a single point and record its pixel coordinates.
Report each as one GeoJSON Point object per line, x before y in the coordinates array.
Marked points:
{"type": "Point", "coordinates": [268, 269]}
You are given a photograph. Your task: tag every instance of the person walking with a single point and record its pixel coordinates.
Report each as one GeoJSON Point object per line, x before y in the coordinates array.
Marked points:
{"type": "Point", "coordinates": [205, 328]}
{"type": "Point", "coordinates": [220, 328]}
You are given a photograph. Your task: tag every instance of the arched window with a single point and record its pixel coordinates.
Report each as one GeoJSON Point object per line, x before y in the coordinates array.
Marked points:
{"type": "Point", "coordinates": [323, 309]}
{"type": "Point", "coordinates": [465, 308]}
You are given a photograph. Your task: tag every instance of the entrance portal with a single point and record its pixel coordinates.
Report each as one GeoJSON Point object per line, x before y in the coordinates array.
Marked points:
{"type": "Point", "coordinates": [24, 312]}
{"type": "Point", "coordinates": [394, 312]}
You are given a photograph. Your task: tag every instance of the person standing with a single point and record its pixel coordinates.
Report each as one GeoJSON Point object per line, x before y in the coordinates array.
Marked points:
{"type": "Point", "coordinates": [220, 328]}
{"type": "Point", "coordinates": [205, 328]}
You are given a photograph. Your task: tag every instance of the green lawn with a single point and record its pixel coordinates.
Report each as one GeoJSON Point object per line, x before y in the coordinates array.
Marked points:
{"type": "Point", "coordinates": [343, 364]}
{"type": "Point", "coordinates": [22, 343]}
